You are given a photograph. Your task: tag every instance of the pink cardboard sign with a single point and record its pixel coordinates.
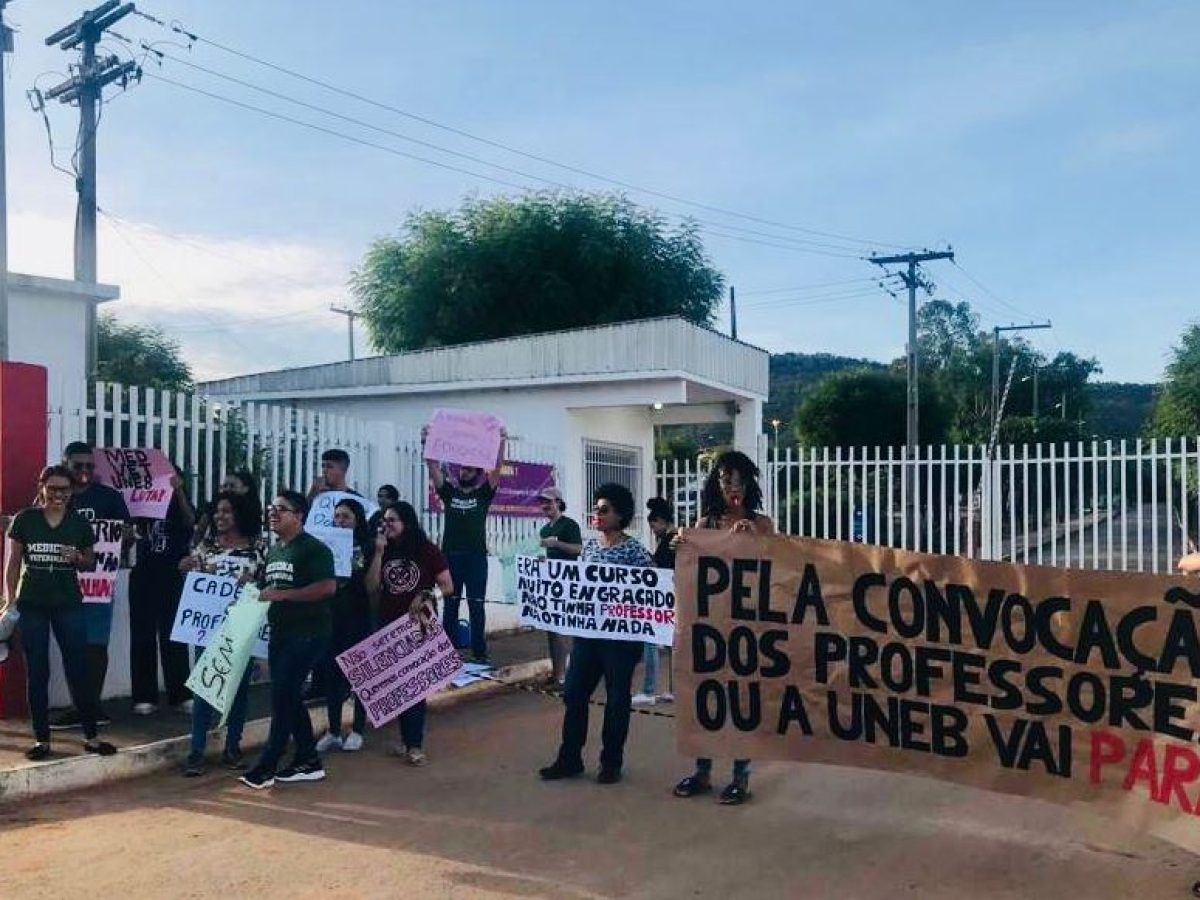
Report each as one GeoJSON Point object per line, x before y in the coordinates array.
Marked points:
{"type": "Point", "coordinates": [464, 437]}
{"type": "Point", "coordinates": [397, 667]}
{"type": "Point", "coordinates": [143, 476]}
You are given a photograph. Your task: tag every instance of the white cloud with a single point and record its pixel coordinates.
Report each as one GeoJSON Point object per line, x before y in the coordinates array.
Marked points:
{"type": "Point", "coordinates": [235, 305]}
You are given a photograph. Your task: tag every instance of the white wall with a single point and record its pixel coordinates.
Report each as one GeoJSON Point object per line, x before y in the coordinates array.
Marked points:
{"type": "Point", "coordinates": [47, 325]}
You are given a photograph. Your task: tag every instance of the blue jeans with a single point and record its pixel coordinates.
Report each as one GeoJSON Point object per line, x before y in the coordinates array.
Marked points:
{"type": "Point", "coordinates": [591, 660]}
{"type": "Point", "coordinates": [203, 717]}
{"type": "Point", "coordinates": [98, 622]}
{"type": "Point", "coordinates": [70, 630]}
{"type": "Point", "coordinates": [412, 726]}
{"type": "Point", "coordinates": [469, 572]}
{"type": "Point", "coordinates": [649, 669]}
{"type": "Point", "coordinates": [291, 658]}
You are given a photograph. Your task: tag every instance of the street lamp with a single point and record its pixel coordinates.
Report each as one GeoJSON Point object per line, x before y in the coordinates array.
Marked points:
{"type": "Point", "coordinates": [775, 423]}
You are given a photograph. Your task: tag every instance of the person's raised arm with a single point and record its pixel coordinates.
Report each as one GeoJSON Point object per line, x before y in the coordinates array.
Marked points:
{"type": "Point", "coordinates": [437, 477]}
{"type": "Point", "coordinates": [493, 475]}
{"type": "Point", "coordinates": [373, 578]}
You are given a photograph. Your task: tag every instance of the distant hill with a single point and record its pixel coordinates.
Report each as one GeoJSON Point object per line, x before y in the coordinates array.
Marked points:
{"type": "Point", "coordinates": [794, 374]}
{"type": "Point", "coordinates": [1120, 409]}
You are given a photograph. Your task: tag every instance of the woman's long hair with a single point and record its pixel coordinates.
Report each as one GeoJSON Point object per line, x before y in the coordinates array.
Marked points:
{"type": "Point", "coordinates": [413, 538]}
{"type": "Point", "coordinates": [360, 519]}
{"type": "Point", "coordinates": [712, 501]}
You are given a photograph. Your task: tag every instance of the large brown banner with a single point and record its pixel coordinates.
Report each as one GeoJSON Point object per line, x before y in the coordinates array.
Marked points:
{"type": "Point", "coordinates": [1062, 684]}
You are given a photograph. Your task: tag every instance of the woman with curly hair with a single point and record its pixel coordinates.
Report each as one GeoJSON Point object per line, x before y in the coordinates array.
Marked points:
{"type": "Point", "coordinates": [731, 500]}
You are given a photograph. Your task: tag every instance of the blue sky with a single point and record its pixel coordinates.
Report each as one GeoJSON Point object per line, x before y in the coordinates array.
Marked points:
{"type": "Point", "coordinates": [1052, 144]}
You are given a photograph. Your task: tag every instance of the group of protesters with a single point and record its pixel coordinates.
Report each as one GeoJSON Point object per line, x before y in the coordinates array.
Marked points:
{"type": "Point", "coordinates": [313, 614]}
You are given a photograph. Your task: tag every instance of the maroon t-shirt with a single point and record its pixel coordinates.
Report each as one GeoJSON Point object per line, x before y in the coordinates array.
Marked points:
{"type": "Point", "coordinates": [402, 578]}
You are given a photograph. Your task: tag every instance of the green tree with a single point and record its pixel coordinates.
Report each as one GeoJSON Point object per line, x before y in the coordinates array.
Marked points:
{"type": "Point", "coordinates": [866, 407]}
{"type": "Point", "coordinates": [139, 355]}
{"type": "Point", "coordinates": [1177, 410]}
{"type": "Point", "coordinates": [504, 266]}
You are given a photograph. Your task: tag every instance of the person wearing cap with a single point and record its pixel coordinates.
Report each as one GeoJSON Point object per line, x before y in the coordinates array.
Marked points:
{"type": "Point", "coordinates": [561, 539]}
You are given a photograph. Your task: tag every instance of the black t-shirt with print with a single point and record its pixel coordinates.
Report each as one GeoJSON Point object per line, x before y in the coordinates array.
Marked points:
{"type": "Point", "coordinates": [465, 517]}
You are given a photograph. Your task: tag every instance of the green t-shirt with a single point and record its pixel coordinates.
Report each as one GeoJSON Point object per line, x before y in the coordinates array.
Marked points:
{"type": "Point", "coordinates": [566, 530]}
{"type": "Point", "coordinates": [465, 517]}
{"type": "Point", "coordinates": [47, 581]}
{"type": "Point", "coordinates": [302, 561]}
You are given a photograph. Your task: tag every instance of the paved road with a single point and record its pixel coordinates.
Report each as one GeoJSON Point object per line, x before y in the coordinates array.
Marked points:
{"type": "Point", "coordinates": [476, 823]}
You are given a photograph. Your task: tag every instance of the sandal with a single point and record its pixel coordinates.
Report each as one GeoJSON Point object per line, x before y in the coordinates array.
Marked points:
{"type": "Point", "coordinates": [100, 748]}
{"type": "Point", "coordinates": [692, 786]}
{"type": "Point", "coordinates": [735, 794]}
{"type": "Point", "coordinates": [38, 752]}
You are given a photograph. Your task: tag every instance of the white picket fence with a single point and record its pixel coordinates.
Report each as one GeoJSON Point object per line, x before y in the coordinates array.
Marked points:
{"type": "Point", "coordinates": [280, 445]}
{"type": "Point", "coordinates": [1128, 505]}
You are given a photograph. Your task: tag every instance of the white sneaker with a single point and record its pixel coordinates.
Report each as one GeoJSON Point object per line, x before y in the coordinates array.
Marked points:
{"type": "Point", "coordinates": [144, 709]}
{"type": "Point", "coordinates": [351, 742]}
{"type": "Point", "coordinates": [416, 757]}
{"type": "Point", "coordinates": [329, 742]}
{"type": "Point", "coordinates": [667, 698]}
{"type": "Point", "coordinates": [644, 700]}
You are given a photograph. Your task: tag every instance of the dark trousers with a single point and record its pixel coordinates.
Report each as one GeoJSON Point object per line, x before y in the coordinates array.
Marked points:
{"type": "Point", "coordinates": [469, 572]}
{"type": "Point", "coordinates": [291, 659]}
{"type": "Point", "coordinates": [412, 726]}
{"type": "Point", "coordinates": [70, 630]}
{"type": "Point", "coordinates": [591, 660]}
{"type": "Point", "coordinates": [348, 629]}
{"type": "Point", "coordinates": [153, 601]}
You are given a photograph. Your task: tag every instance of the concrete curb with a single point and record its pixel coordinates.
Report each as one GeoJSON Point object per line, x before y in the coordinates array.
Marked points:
{"type": "Point", "coordinates": [76, 772]}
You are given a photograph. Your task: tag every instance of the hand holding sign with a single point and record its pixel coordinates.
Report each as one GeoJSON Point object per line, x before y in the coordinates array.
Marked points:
{"type": "Point", "coordinates": [464, 437]}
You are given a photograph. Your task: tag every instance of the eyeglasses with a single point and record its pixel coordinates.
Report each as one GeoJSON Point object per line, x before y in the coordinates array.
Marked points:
{"type": "Point", "coordinates": [280, 510]}
{"type": "Point", "coordinates": [57, 489]}
{"type": "Point", "coordinates": [83, 466]}
{"type": "Point", "coordinates": [602, 510]}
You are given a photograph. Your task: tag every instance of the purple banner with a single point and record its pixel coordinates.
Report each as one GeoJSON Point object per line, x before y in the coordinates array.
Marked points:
{"type": "Point", "coordinates": [520, 484]}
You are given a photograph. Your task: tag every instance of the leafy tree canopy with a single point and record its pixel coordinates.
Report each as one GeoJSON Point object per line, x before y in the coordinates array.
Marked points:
{"type": "Point", "coordinates": [866, 407]}
{"type": "Point", "coordinates": [139, 355]}
{"type": "Point", "coordinates": [1177, 410]}
{"type": "Point", "coordinates": [503, 266]}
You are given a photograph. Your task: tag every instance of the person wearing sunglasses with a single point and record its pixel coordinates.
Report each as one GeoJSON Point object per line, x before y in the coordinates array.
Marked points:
{"type": "Point", "coordinates": [405, 568]}
{"type": "Point", "coordinates": [48, 544]}
{"type": "Point", "coordinates": [594, 659]}
{"type": "Point", "coordinates": [299, 583]}
{"type": "Point", "coordinates": [731, 500]}
{"type": "Point", "coordinates": [93, 501]}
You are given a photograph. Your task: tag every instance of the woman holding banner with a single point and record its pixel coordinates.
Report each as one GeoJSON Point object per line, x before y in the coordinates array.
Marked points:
{"type": "Point", "coordinates": [405, 567]}
{"type": "Point", "coordinates": [234, 550]}
{"type": "Point", "coordinates": [661, 519]}
{"type": "Point", "coordinates": [48, 544]}
{"type": "Point", "coordinates": [351, 624]}
{"type": "Point", "coordinates": [593, 659]}
{"type": "Point", "coordinates": [731, 500]}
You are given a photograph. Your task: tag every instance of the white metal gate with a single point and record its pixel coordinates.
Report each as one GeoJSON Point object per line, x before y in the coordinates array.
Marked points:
{"type": "Point", "coordinates": [1128, 505]}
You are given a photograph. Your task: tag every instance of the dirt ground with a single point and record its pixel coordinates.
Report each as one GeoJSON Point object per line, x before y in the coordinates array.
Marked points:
{"type": "Point", "coordinates": [477, 823]}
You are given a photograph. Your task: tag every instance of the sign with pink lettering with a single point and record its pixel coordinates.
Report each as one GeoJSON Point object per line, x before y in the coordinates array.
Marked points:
{"type": "Point", "coordinates": [464, 437]}
{"type": "Point", "coordinates": [98, 585]}
{"type": "Point", "coordinates": [143, 476]}
{"type": "Point", "coordinates": [399, 666]}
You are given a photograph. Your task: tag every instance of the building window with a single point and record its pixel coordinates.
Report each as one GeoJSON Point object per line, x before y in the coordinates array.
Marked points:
{"type": "Point", "coordinates": [612, 463]}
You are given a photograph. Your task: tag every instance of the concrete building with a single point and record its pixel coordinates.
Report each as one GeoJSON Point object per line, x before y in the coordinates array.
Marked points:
{"type": "Point", "coordinates": [596, 394]}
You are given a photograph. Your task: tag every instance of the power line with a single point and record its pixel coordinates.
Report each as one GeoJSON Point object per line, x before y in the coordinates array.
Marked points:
{"type": "Point", "coordinates": [195, 38]}
{"type": "Point", "coordinates": [806, 287]}
{"type": "Point", "coordinates": [250, 107]}
{"type": "Point", "coordinates": [983, 287]}
{"type": "Point", "coordinates": [817, 300]}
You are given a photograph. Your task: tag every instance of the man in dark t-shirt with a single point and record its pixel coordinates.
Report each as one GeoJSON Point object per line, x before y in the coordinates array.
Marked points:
{"type": "Point", "coordinates": [465, 501]}
{"type": "Point", "coordinates": [561, 539]}
{"type": "Point", "coordinates": [299, 584]}
{"type": "Point", "coordinates": [94, 502]}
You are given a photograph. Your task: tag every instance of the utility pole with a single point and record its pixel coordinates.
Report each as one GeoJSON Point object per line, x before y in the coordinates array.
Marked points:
{"type": "Point", "coordinates": [85, 87]}
{"type": "Point", "coordinates": [996, 367]}
{"type": "Point", "coordinates": [912, 280]}
{"type": "Point", "coordinates": [350, 315]}
{"type": "Point", "coordinates": [732, 313]}
{"type": "Point", "coordinates": [6, 46]}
